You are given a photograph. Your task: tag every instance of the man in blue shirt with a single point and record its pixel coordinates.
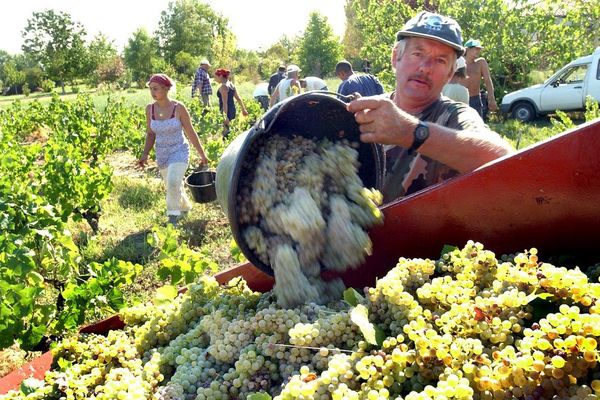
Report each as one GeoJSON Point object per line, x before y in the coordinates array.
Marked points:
{"type": "Point", "coordinates": [365, 84]}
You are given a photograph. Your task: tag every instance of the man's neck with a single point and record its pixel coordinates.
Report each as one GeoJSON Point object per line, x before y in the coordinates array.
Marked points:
{"type": "Point", "coordinates": [413, 109]}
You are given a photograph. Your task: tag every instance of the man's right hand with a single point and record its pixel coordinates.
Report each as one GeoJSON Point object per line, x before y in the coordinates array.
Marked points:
{"type": "Point", "coordinates": [381, 121]}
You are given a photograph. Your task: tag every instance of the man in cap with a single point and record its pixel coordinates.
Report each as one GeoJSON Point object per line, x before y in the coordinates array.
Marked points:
{"type": "Point", "coordinates": [202, 82]}
{"type": "Point", "coordinates": [288, 87]}
{"type": "Point", "coordinates": [478, 69]}
{"type": "Point", "coordinates": [276, 78]}
{"type": "Point", "coordinates": [430, 138]}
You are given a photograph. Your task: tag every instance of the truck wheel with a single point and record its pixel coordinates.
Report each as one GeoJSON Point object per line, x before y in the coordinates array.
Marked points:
{"type": "Point", "coordinates": [523, 112]}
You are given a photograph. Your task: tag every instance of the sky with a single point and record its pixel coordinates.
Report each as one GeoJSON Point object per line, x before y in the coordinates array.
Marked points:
{"type": "Point", "coordinates": [256, 23]}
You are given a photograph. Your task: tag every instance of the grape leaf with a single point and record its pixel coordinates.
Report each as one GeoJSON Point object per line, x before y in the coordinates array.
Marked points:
{"type": "Point", "coordinates": [448, 248]}
{"type": "Point", "coordinates": [352, 297]}
{"type": "Point", "coordinates": [371, 332]}
{"type": "Point", "coordinates": [165, 293]}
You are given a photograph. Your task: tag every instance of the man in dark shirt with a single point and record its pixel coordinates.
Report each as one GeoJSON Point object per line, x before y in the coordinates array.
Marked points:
{"type": "Point", "coordinates": [275, 78]}
{"type": "Point", "coordinates": [365, 84]}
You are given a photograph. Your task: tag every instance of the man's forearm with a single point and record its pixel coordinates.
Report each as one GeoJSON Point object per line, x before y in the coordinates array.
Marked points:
{"type": "Point", "coordinates": [464, 150]}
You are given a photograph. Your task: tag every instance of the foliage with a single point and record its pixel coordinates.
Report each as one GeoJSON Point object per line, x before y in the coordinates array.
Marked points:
{"type": "Point", "coordinates": [190, 26]}
{"type": "Point", "coordinates": [281, 52]}
{"type": "Point", "coordinates": [57, 43]}
{"type": "Point", "coordinates": [378, 30]}
{"type": "Point", "coordinates": [139, 54]}
{"type": "Point", "coordinates": [103, 64]}
{"type": "Point", "coordinates": [178, 263]}
{"type": "Point", "coordinates": [353, 37]}
{"type": "Point", "coordinates": [111, 71]}
{"type": "Point", "coordinates": [45, 285]}
{"type": "Point", "coordinates": [518, 37]}
{"type": "Point", "coordinates": [319, 50]}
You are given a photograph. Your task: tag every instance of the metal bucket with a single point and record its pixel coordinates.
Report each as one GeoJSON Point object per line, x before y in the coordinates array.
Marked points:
{"type": "Point", "coordinates": [312, 115]}
{"type": "Point", "coordinates": [202, 186]}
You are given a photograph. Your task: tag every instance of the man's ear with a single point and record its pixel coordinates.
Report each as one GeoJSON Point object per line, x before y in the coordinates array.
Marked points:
{"type": "Point", "coordinates": [394, 56]}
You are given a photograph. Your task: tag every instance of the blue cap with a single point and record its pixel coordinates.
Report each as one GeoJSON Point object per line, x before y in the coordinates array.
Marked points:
{"type": "Point", "coordinates": [473, 43]}
{"type": "Point", "coordinates": [433, 26]}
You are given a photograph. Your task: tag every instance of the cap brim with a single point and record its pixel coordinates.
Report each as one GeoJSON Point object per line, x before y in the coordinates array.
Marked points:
{"type": "Point", "coordinates": [459, 49]}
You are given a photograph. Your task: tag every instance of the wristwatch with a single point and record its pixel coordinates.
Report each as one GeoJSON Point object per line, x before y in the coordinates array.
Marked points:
{"type": "Point", "coordinates": [420, 135]}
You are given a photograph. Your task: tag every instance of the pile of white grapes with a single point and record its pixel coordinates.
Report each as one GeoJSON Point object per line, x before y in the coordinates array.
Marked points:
{"type": "Point", "coordinates": [467, 326]}
{"type": "Point", "coordinates": [303, 207]}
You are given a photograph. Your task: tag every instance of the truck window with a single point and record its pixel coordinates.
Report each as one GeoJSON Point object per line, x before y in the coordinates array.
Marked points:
{"type": "Point", "coordinates": [598, 71]}
{"type": "Point", "coordinates": [575, 74]}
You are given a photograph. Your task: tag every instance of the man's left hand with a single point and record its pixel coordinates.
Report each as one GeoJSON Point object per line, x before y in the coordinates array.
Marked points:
{"type": "Point", "coordinates": [492, 105]}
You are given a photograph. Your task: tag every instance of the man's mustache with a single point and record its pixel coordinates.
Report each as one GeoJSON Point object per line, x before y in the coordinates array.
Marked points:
{"type": "Point", "coordinates": [420, 77]}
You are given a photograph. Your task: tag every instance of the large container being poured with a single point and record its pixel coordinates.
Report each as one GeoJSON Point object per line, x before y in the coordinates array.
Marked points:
{"type": "Point", "coordinates": [297, 192]}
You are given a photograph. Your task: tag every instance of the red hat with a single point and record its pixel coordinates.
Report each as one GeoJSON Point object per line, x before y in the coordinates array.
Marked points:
{"type": "Point", "coordinates": [222, 72]}
{"type": "Point", "coordinates": [161, 79]}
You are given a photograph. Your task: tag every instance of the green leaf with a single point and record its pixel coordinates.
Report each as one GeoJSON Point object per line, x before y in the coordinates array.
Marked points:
{"type": "Point", "coordinates": [258, 396]}
{"type": "Point", "coordinates": [35, 279]}
{"type": "Point", "coordinates": [447, 249]}
{"type": "Point", "coordinates": [165, 293]}
{"type": "Point", "coordinates": [371, 332]}
{"type": "Point", "coordinates": [30, 385]}
{"type": "Point", "coordinates": [352, 297]}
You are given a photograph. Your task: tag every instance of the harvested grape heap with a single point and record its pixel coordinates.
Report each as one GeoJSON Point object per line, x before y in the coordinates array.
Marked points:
{"type": "Point", "coordinates": [468, 326]}
{"type": "Point", "coordinates": [303, 207]}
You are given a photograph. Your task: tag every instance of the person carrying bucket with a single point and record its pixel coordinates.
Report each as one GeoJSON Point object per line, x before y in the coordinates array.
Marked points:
{"type": "Point", "coordinates": [169, 130]}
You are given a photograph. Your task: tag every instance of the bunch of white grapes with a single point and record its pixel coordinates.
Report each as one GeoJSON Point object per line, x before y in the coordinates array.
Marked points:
{"type": "Point", "coordinates": [467, 326]}
{"type": "Point", "coordinates": [303, 208]}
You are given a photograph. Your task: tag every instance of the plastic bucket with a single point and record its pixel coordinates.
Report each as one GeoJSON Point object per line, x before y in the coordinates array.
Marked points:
{"type": "Point", "coordinates": [202, 186]}
{"type": "Point", "coordinates": [312, 115]}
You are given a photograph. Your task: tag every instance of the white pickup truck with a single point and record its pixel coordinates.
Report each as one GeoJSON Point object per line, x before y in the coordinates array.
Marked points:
{"type": "Point", "coordinates": [566, 90]}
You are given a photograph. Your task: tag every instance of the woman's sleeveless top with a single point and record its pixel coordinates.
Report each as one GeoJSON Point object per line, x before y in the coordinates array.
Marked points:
{"type": "Point", "coordinates": [230, 104]}
{"type": "Point", "coordinates": [171, 145]}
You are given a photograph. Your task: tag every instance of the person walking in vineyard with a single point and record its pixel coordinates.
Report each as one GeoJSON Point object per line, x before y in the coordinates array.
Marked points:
{"type": "Point", "coordinates": [276, 78]}
{"type": "Point", "coordinates": [429, 138]}
{"type": "Point", "coordinates": [169, 129]}
{"type": "Point", "coordinates": [364, 84]}
{"type": "Point", "coordinates": [287, 87]}
{"type": "Point", "coordinates": [226, 94]}
{"type": "Point", "coordinates": [202, 83]}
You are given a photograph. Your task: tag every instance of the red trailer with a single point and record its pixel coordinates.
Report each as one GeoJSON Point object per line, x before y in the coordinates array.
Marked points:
{"type": "Point", "coordinates": [546, 196]}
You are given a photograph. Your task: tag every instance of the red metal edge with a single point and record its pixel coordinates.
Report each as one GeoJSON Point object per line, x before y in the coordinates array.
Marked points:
{"type": "Point", "coordinates": [36, 368]}
{"type": "Point", "coordinates": [545, 196]}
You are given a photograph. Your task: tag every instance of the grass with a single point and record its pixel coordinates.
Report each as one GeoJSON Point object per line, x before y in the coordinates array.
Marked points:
{"type": "Point", "coordinates": [136, 96]}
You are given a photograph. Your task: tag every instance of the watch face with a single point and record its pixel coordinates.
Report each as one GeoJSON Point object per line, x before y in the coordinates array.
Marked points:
{"type": "Point", "coordinates": [421, 132]}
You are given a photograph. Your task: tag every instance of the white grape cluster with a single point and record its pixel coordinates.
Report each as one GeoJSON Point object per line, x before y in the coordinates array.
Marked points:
{"type": "Point", "coordinates": [303, 207]}
{"type": "Point", "coordinates": [530, 332]}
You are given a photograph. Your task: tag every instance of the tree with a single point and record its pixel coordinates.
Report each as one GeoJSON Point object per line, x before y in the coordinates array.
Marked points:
{"type": "Point", "coordinates": [279, 53]}
{"type": "Point", "coordinates": [189, 26]}
{"type": "Point", "coordinates": [378, 31]}
{"type": "Point", "coordinates": [139, 53]}
{"type": "Point", "coordinates": [319, 48]}
{"type": "Point", "coordinates": [353, 39]}
{"type": "Point", "coordinates": [12, 77]}
{"type": "Point", "coordinates": [519, 36]}
{"type": "Point", "coordinates": [101, 53]}
{"type": "Point", "coordinates": [57, 43]}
